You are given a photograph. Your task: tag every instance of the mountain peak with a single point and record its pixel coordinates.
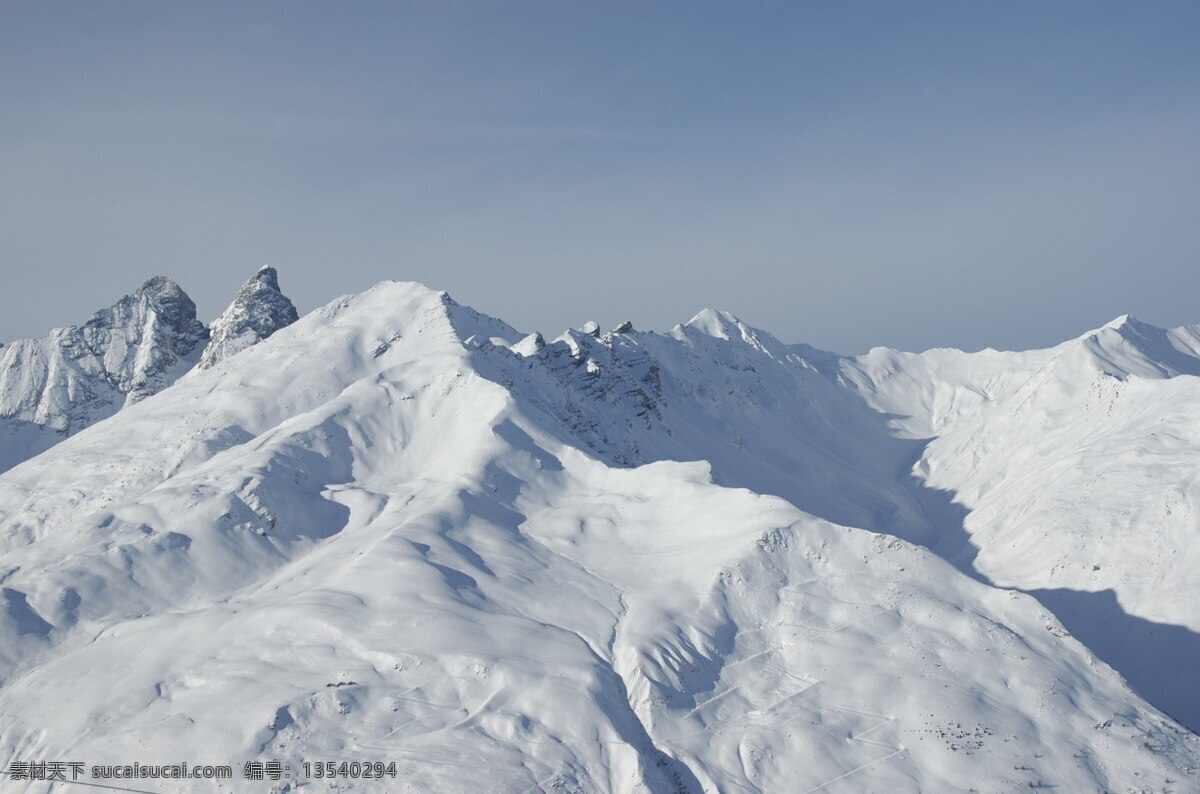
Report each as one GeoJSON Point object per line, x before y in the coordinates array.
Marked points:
{"type": "Point", "coordinates": [1127, 325]}
{"type": "Point", "coordinates": [259, 310]}
{"type": "Point", "coordinates": [171, 305]}
{"type": "Point", "coordinates": [1128, 346]}
{"type": "Point", "coordinates": [1124, 321]}
{"type": "Point", "coordinates": [80, 374]}
{"type": "Point", "coordinates": [713, 322]}
{"type": "Point", "coordinates": [160, 285]}
{"type": "Point", "coordinates": [269, 276]}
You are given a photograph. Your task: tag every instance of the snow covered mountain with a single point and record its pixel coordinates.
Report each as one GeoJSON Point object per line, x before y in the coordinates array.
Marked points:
{"type": "Point", "coordinates": [399, 530]}
{"type": "Point", "coordinates": [78, 375]}
{"type": "Point", "coordinates": [1077, 468]}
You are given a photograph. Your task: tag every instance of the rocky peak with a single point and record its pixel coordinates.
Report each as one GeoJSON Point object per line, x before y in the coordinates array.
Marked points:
{"type": "Point", "coordinates": [259, 310]}
{"type": "Point", "coordinates": [78, 375]}
{"type": "Point", "coordinates": [139, 338]}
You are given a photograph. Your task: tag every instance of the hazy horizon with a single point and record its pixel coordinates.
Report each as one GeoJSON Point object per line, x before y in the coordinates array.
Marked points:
{"type": "Point", "coordinates": [844, 175]}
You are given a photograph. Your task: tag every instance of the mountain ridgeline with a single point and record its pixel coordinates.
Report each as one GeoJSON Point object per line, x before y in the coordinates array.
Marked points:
{"type": "Point", "coordinates": [399, 530]}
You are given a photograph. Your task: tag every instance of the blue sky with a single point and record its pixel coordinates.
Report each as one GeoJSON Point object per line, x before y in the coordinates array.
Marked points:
{"type": "Point", "coordinates": [845, 174]}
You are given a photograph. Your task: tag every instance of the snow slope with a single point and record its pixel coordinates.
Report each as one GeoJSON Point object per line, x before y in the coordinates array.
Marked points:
{"type": "Point", "coordinates": [397, 529]}
{"type": "Point", "coordinates": [1079, 467]}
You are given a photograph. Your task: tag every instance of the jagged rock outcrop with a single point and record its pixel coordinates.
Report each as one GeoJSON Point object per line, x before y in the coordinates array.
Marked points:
{"type": "Point", "coordinates": [80, 374]}
{"type": "Point", "coordinates": [75, 376]}
{"type": "Point", "coordinates": [258, 311]}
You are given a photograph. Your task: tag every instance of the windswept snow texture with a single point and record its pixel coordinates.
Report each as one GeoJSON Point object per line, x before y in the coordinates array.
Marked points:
{"type": "Point", "coordinates": [258, 311]}
{"type": "Point", "coordinates": [400, 530]}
